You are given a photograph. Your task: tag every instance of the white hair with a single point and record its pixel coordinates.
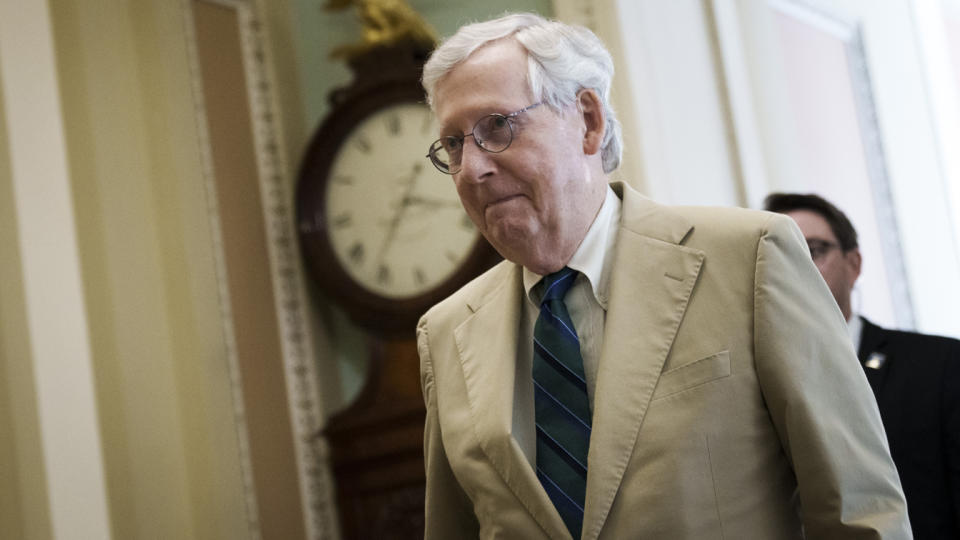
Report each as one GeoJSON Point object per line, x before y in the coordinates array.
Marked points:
{"type": "Point", "coordinates": [561, 60]}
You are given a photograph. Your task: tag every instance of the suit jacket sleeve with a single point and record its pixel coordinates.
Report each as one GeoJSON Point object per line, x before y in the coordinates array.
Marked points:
{"type": "Point", "coordinates": [819, 399]}
{"type": "Point", "coordinates": [448, 512]}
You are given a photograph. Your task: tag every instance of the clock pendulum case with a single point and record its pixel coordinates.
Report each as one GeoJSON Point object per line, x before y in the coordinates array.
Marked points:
{"type": "Point", "coordinates": [384, 236]}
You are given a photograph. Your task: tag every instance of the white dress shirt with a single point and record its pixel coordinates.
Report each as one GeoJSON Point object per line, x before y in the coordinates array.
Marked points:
{"type": "Point", "coordinates": [855, 328]}
{"type": "Point", "coordinates": [586, 302]}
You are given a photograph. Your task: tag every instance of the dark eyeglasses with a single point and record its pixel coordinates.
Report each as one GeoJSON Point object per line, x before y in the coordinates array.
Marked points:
{"type": "Point", "coordinates": [820, 248]}
{"type": "Point", "coordinates": [493, 133]}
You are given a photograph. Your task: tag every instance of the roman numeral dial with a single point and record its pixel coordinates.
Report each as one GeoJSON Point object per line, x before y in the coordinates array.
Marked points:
{"type": "Point", "coordinates": [396, 224]}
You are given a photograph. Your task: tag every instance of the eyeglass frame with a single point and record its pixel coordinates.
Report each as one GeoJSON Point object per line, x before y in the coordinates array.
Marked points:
{"type": "Point", "coordinates": [431, 153]}
{"type": "Point", "coordinates": [821, 248]}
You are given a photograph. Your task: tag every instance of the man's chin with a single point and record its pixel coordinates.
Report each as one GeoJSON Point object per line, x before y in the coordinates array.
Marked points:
{"type": "Point", "coordinates": [512, 240]}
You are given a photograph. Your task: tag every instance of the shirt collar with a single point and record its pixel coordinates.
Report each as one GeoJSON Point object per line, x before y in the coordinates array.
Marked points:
{"type": "Point", "coordinates": [593, 256]}
{"type": "Point", "coordinates": [855, 328]}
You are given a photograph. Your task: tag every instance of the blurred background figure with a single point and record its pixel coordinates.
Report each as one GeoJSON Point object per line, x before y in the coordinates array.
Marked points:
{"type": "Point", "coordinates": [915, 377]}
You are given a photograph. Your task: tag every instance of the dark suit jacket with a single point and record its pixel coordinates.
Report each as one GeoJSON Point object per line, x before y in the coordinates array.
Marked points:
{"type": "Point", "coordinates": [918, 392]}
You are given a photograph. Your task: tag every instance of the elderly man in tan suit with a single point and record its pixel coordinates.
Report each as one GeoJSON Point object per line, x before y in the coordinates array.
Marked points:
{"type": "Point", "coordinates": [631, 370]}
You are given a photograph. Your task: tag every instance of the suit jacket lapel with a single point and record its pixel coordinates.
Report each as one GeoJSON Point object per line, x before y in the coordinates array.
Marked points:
{"type": "Point", "coordinates": [487, 344]}
{"type": "Point", "coordinates": [652, 279]}
{"type": "Point", "coordinates": [873, 341]}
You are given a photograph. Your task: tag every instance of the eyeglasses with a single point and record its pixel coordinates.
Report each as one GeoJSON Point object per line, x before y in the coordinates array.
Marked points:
{"type": "Point", "coordinates": [493, 133]}
{"type": "Point", "coordinates": [820, 248]}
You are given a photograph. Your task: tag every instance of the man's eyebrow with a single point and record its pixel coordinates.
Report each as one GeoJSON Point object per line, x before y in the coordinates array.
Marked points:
{"type": "Point", "coordinates": [449, 132]}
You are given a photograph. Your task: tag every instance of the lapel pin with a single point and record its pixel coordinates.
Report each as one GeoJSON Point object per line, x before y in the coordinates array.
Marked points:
{"type": "Point", "coordinates": [876, 360]}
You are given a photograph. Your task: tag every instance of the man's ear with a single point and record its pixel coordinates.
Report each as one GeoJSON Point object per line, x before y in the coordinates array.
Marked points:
{"type": "Point", "coordinates": [853, 260]}
{"type": "Point", "coordinates": [594, 120]}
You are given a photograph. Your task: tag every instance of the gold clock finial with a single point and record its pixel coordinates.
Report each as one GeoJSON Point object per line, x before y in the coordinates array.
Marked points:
{"type": "Point", "coordinates": [385, 22]}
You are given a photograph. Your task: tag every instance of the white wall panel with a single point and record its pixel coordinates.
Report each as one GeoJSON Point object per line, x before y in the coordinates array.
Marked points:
{"type": "Point", "coordinates": [53, 293]}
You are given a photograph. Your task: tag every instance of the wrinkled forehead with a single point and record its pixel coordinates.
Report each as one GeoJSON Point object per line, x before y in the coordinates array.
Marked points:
{"type": "Point", "coordinates": [492, 79]}
{"type": "Point", "coordinates": [506, 46]}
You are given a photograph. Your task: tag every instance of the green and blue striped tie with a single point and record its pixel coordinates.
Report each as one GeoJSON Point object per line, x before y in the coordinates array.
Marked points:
{"type": "Point", "coordinates": [563, 416]}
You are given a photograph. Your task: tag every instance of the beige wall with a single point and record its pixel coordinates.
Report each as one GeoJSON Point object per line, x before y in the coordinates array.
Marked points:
{"type": "Point", "coordinates": [23, 495]}
{"type": "Point", "coordinates": [171, 458]}
{"type": "Point", "coordinates": [46, 355]}
{"type": "Point", "coordinates": [169, 440]}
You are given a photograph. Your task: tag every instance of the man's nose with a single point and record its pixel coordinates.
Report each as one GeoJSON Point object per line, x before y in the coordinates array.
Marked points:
{"type": "Point", "coordinates": [475, 162]}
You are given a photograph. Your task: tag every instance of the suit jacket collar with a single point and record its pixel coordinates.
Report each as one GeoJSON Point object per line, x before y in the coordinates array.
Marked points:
{"type": "Point", "coordinates": [652, 278]}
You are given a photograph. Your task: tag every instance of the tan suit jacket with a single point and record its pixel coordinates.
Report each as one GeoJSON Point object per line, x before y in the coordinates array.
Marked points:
{"type": "Point", "coordinates": [729, 402]}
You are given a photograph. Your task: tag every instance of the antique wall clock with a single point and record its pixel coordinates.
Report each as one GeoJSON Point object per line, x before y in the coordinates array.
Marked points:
{"type": "Point", "coordinates": [384, 236]}
{"type": "Point", "coordinates": [382, 232]}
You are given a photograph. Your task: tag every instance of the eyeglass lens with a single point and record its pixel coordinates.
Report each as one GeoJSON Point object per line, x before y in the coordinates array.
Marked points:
{"type": "Point", "coordinates": [820, 248]}
{"type": "Point", "coordinates": [493, 133]}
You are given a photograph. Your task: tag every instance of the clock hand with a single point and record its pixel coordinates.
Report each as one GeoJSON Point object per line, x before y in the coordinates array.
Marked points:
{"type": "Point", "coordinates": [394, 224]}
{"type": "Point", "coordinates": [410, 178]}
{"type": "Point", "coordinates": [409, 181]}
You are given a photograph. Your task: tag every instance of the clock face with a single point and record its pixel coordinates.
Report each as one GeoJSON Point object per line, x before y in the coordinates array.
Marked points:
{"type": "Point", "coordinates": [395, 223]}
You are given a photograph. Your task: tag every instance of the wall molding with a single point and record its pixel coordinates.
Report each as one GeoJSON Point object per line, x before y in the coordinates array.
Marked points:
{"type": "Point", "coordinates": [55, 310]}
{"type": "Point", "coordinates": [300, 370]}
{"type": "Point", "coordinates": [220, 263]}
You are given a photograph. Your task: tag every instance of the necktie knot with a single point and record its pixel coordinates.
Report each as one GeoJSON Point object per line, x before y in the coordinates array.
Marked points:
{"type": "Point", "coordinates": [556, 285]}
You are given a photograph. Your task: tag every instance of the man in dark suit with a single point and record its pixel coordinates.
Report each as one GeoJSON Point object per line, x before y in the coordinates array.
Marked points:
{"type": "Point", "coordinates": [915, 377]}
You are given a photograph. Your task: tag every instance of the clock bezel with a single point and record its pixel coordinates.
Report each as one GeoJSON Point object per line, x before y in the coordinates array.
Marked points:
{"type": "Point", "coordinates": [367, 308]}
